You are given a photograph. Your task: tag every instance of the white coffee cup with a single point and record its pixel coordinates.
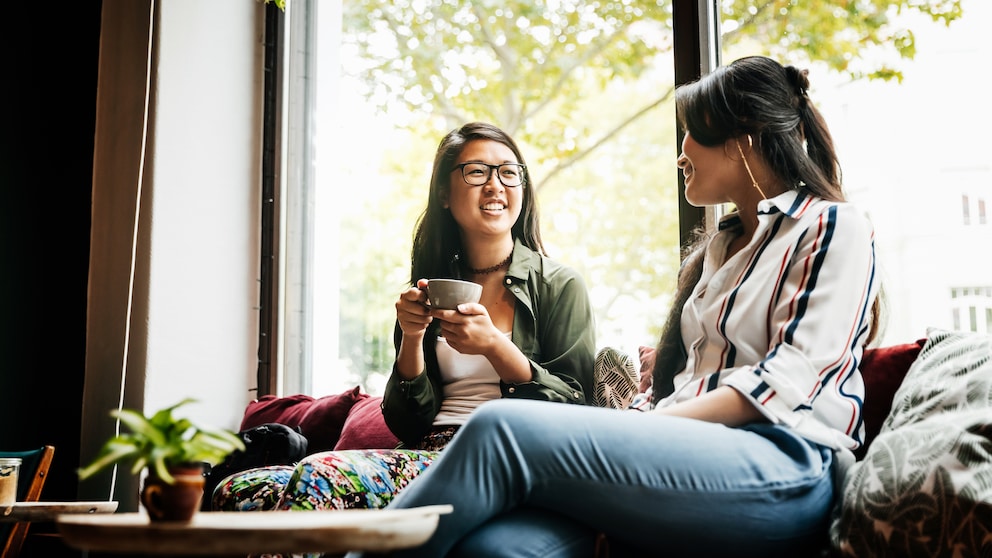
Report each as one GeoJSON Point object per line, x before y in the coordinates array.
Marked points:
{"type": "Point", "coordinates": [9, 468]}
{"type": "Point", "coordinates": [447, 294]}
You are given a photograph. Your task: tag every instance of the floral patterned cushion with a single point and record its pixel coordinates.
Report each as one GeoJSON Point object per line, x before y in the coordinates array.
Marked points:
{"type": "Point", "coordinates": [924, 488]}
{"type": "Point", "coordinates": [352, 478]}
{"type": "Point", "coordinates": [323, 481]}
{"type": "Point", "coordinates": [256, 489]}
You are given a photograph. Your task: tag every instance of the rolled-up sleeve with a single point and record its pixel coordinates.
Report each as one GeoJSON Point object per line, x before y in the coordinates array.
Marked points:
{"type": "Point", "coordinates": [563, 345]}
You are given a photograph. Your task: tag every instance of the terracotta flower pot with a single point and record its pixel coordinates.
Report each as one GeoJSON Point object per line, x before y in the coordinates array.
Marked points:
{"type": "Point", "coordinates": [178, 501]}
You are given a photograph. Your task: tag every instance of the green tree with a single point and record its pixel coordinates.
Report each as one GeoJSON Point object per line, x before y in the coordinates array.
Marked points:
{"type": "Point", "coordinates": [511, 61]}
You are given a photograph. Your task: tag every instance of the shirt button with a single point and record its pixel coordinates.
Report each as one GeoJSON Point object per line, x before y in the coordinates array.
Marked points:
{"type": "Point", "coordinates": [512, 389]}
{"type": "Point", "coordinates": [575, 394]}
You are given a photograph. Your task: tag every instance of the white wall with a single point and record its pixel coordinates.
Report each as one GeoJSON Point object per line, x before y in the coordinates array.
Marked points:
{"type": "Point", "coordinates": [204, 258]}
{"type": "Point", "coordinates": [194, 311]}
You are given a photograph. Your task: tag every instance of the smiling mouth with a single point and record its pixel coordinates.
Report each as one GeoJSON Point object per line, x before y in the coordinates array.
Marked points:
{"type": "Point", "coordinates": [493, 206]}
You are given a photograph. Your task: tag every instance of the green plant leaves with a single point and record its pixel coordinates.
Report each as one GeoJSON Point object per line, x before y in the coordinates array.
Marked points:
{"type": "Point", "coordinates": [161, 442]}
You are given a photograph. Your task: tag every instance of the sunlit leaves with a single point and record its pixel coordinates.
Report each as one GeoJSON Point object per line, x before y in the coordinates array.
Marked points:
{"type": "Point", "coordinates": [498, 62]}
{"type": "Point", "coordinates": [508, 62]}
{"type": "Point", "coordinates": [838, 33]}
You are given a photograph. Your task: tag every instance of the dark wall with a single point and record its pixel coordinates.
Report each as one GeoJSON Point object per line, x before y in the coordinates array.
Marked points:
{"type": "Point", "coordinates": [48, 100]}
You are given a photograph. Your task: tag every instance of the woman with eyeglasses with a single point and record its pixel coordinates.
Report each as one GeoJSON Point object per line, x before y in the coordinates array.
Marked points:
{"type": "Point", "coordinates": [756, 403]}
{"type": "Point", "coordinates": [531, 336]}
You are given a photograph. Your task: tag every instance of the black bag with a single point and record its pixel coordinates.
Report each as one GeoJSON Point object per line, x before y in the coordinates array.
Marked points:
{"type": "Point", "coordinates": [266, 444]}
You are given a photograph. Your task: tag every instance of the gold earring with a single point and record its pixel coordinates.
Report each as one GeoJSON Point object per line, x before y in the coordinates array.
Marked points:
{"type": "Point", "coordinates": [747, 167]}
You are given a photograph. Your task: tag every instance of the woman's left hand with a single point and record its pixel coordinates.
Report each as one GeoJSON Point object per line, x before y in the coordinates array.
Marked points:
{"type": "Point", "coordinates": [469, 329]}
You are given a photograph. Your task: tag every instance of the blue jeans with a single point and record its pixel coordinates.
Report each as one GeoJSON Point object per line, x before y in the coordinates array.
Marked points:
{"type": "Point", "coordinates": [529, 478]}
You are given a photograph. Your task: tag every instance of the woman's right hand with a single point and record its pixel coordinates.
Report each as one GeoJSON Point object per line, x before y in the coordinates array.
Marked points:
{"type": "Point", "coordinates": [412, 310]}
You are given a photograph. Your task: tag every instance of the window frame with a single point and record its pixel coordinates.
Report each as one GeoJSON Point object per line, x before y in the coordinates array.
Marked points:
{"type": "Point", "coordinates": [285, 334]}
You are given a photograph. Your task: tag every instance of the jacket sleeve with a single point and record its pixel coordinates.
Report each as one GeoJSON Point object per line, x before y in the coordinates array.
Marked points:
{"type": "Point", "coordinates": [563, 366]}
{"type": "Point", "coordinates": [409, 406]}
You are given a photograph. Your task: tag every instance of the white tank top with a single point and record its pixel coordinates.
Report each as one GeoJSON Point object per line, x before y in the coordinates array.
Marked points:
{"type": "Point", "coordinates": [469, 381]}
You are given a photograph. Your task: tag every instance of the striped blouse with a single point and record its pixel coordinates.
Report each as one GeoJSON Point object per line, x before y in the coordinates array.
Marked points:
{"type": "Point", "coordinates": [784, 320]}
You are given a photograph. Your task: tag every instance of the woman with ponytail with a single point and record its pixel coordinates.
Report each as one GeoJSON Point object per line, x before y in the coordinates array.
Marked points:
{"type": "Point", "coordinates": [756, 404]}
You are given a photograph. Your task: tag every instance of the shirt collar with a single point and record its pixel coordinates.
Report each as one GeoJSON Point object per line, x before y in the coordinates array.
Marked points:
{"type": "Point", "coordinates": [524, 260]}
{"type": "Point", "coordinates": [789, 203]}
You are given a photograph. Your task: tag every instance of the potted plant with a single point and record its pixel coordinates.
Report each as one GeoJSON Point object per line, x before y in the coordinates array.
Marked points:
{"type": "Point", "coordinates": [173, 450]}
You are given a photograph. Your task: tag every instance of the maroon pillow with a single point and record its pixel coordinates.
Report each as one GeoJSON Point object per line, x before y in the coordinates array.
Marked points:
{"type": "Point", "coordinates": [883, 370]}
{"type": "Point", "coordinates": [287, 410]}
{"type": "Point", "coordinates": [320, 419]}
{"type": "Point", "coordinates": [366, 428]}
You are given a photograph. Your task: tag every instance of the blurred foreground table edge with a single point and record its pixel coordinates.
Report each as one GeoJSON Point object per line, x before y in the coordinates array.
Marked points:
{"type": "Point", "coordinates": [254, 532]}
{"type": "Point", "coordinates": [49, 511]}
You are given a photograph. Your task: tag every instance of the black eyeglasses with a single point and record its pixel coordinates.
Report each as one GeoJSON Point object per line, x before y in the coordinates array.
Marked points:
{"type": "Point", "coordinates": [510, 175]}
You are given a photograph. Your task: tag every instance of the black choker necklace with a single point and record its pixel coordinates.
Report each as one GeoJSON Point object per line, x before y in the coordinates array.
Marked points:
{"type": "Point", "coordinates": [490, 269]}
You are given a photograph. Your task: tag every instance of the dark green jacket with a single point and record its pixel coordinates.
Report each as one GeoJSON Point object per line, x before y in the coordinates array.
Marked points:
{"type": "Point", "coordinates": [552, 326]}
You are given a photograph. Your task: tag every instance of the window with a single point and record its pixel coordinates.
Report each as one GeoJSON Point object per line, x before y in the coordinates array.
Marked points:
{"type": "Point", "coordinates": [971, 308]}
{"type": "Point", "coordinates": [973, 207]}
{"type": "Point", "coordinates": [379, 111]}
{"type": "Point", "coordinates": [373, 162]}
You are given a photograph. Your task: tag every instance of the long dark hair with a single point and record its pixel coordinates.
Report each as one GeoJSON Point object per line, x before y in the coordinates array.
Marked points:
{"type": "Point", "coordinates": [437, 237]}
{"type": "Point", "coordinates": [769, 102]}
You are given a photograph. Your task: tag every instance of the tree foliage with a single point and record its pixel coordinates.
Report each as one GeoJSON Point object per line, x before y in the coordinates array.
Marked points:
{"type": "Point", "coordinates": [512, 61]}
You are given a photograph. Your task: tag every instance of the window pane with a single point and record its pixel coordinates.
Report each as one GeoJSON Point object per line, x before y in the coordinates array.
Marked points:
{"type": "Point", "coordinates": [599, 140]}
{"type": "Point", "coordinates": [600, 143]}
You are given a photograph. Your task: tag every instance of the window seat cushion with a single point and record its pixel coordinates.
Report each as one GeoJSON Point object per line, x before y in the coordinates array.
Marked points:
{"type": "Point", "coordinates": [360, 427]}
{"type": "Point", "coordinates": [256, 489]}
{"type": "Point", "coordinates": [352, 479]}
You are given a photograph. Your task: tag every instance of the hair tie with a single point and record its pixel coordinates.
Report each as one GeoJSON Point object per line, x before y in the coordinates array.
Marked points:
{"type": "Point", "coordinates": [799, 79]}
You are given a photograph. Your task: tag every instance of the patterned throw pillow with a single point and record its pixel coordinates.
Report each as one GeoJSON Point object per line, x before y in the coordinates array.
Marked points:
{"type": "Point", "coordinates": [352, 479]}
{"type": "Point", "coordinates": [252, 490]}
{"type": "Point", "coordinates": [925, 486]}
{"type": "Point", "coordinates": [615, 378]}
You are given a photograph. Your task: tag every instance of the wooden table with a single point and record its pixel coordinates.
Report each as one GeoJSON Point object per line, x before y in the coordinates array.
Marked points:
{"type": "Point", "coordinates": [256, 532]}
{"type": "Point", "coordinates": [49, 511]}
